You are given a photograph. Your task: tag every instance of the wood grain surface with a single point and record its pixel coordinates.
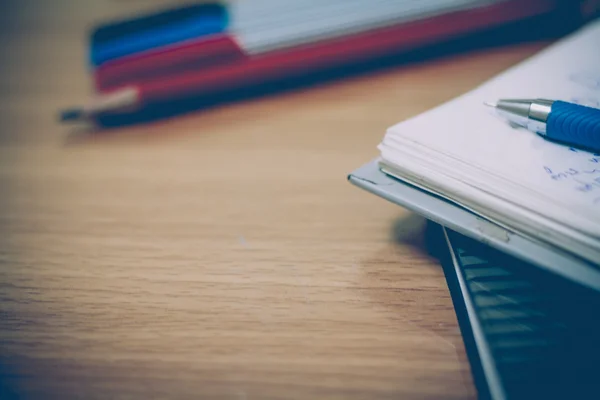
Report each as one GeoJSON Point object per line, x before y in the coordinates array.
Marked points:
{"type": "Point", "coordinates": [220, 254]}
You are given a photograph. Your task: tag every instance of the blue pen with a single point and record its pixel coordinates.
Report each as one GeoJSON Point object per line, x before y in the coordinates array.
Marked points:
{"type": "Point", "coordinates": [568, 123]}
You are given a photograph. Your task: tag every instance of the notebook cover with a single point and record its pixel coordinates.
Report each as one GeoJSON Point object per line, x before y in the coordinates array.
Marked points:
{"type": "Point", "coordinates": [370, 178]}
{"type": "Point", "coordinates": [182, 58]}
{"type": "Point", "coordinates": [528, 334]}
{"type": "Point", "coordinates": [114, 40]}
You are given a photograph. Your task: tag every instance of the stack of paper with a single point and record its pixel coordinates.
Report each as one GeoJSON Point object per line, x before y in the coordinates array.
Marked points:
{"type": "Point", "coordinates": [465, 153]}
{"type": "Point", "coordinates": [265, 25]}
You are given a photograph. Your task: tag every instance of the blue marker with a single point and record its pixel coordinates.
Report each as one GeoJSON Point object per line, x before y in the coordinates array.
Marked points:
{"type": "Point", "coordinates": [568, 123]}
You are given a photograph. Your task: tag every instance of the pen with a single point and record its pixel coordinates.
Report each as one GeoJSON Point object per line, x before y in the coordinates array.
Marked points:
{"type": "Point", "coordinates": [572, 124]}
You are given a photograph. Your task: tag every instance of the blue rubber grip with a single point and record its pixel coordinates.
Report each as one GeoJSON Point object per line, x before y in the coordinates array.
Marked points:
{"type": "Point", "coordinates": [574, 124]}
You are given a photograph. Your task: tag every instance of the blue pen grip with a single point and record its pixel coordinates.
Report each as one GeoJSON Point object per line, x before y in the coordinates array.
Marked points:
{"type": "Point", "coordinates": [574, 124]}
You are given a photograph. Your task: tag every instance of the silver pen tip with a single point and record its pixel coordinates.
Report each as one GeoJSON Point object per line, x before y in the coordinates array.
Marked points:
{"type": "Point", "coordinates": [486, 103]}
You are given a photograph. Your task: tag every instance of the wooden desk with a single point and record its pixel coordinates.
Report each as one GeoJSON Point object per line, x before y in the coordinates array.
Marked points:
{"type": "Point", "coordinates": [221, 254]}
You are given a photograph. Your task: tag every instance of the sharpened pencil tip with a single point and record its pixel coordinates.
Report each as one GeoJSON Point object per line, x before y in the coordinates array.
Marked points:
{"type": "Point", "coordinates": [72, 114]}
{"type": "Point", "coordinates": [487, 103]}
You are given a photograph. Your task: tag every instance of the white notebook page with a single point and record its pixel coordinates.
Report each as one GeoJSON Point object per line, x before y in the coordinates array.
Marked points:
{"type": "Point", "coordinates": [264, 25]}
{"type": "Point", "coordinates": [465, 152]}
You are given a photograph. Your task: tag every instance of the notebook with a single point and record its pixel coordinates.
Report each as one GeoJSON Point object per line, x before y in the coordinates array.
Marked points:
{"type": "Point", "coordinates": [464, 153]}
{"type": "Point", "coordinates": [259, 40]}
{"type": "Point", "coordinates": [455, 217]}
